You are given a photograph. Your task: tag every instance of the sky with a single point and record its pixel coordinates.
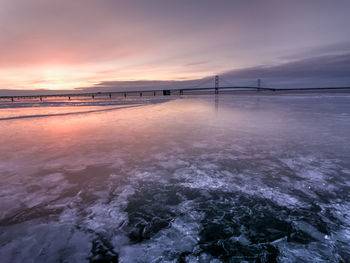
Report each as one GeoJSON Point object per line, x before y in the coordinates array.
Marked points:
{"type": "Point", "coordinates": [116, 44]}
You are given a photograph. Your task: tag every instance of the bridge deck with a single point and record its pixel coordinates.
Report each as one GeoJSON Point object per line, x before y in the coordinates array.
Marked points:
{"type": "Point", "coordinates": [172, 91]}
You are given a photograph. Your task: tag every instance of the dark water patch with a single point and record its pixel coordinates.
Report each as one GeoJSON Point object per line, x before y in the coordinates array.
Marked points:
{"type": "Point", "coordinates": [102, 251]}
{"type": "Point", "coordinates": [312, 215]}
{"type": "Point", "coordinates": [237, 227]}
{"type": "Point", "coordinates": [151, 209]}
{"type": "Point", "coordinates": [155, 205]}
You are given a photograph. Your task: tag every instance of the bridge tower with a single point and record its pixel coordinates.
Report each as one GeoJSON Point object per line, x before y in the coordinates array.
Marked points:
{"type": "Point", "coordinates": [259, 84]}
{"type": "Point", "coordinates": [216, 84]}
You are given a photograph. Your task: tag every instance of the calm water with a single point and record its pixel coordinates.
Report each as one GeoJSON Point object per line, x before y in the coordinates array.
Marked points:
{"type": "Point", "coordinates": [232, 178]}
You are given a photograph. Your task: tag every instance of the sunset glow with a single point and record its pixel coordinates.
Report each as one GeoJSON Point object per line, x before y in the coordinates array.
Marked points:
{"type": "Point", "coordinates": [66, 45]}
{"type": "Point", "coordinates": [197, 131]}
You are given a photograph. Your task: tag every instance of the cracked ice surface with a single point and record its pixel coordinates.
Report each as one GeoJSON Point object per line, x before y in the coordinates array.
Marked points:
{"type": "Point", "coordinates": [196, 179]}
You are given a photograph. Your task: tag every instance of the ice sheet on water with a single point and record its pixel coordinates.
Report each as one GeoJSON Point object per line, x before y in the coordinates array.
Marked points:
{"type": "Point", "coordinates": [34, 108]}
{"type": "Point", "coordinates": [179, 238]}
{"type": "Point", "coordinates": [209, 179]}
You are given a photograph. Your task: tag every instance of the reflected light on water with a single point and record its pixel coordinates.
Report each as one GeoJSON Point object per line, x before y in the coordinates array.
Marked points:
{"type": "Point", "coordinates": [184, 176]}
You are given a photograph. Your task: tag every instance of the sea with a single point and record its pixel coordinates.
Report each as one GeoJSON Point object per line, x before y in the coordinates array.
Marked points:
{"type": "Point", "coordinates": [239, 177]}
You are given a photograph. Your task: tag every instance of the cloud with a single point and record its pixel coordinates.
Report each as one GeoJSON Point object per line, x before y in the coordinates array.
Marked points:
{"type": "Point", "coordinates": [197, 63]}
{"type": "Point", "coordinates": [61, 32]}
{"type": "Point", "coordinates": [320, 71]}
{"type": "Point", "coordinates": [338, 48]}
{"type": "Point", "coordinates": [329, 70]}
{"type": "Point", "coordinates": [148, 85]}
{"type": "Point", "coordinates": [64, 44]}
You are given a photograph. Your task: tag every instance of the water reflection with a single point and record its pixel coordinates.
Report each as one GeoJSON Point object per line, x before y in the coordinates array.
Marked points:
{"type": "Point", "coordinates": [263, 178]}
{"type": "Point", "coordinates": [216, 103]}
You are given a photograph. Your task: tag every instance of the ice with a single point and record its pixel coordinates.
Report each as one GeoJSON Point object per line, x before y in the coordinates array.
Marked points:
{"type": "Point", "coordinates": [232, 177]}
{"type": "Point", "coordinates": [45, 243]}
{"type": "Point", "coordinates": [179, 237]}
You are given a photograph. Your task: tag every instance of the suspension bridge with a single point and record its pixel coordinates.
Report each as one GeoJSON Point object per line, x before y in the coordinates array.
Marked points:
{"type": "Point", "coordinates": [203, 86]}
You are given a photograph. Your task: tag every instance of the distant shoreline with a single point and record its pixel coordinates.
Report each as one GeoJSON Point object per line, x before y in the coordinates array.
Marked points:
{"type": "Point", "coordinates": [184, 91]}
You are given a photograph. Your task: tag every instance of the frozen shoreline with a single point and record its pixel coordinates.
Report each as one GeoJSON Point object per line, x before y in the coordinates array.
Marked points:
{"type": "Point", "coordinates": [202, 178]}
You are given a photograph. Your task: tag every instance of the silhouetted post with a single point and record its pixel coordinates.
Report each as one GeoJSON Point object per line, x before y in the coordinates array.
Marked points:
{"type": "Point", "coordinates": [68, 97]}
{"type": "Point", "coordinates": [124, 95]}
{"type": "Point", "coordinates": [110, 96]}
{"type": "Point", "coordinates": [12, 99]}
{"type": "Point", "coordinates": [181, 92]}
{"type": "Point", "coordinates": [41, 98]}
{"type": "Point", "coordinates": [93, 96]}
{"type": "Point", "coordinates": [216, 84]}
{"type": "Point", "coordinates": [259, 84]}
{"type": "Point", "coordinates": [154, 93]}
{"type": "Point", "coordinates": [140, 94]}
